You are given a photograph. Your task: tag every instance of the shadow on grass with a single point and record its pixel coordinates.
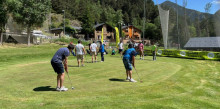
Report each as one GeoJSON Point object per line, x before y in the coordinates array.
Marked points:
{"type": "Point", "coordinates": [148, 59]}
{"type": "Point", "coordinates": [44, 88]}
{"type": "Point", "coordinates": [118, 80]}
{"type": "Point", "coordinates": [91, 62]}
{"type": "Point", "coordinates": [72, 65]}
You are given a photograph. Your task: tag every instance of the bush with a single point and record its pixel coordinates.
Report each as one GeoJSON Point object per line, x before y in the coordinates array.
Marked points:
{"type": "Point", "coordinates": [186, 54]}
{"type": "Point", "coordinates": [68, 40]}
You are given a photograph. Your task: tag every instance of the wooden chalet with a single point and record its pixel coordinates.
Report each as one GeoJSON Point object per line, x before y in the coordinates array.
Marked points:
{"type": "Point", "coordinates": [108, 32]}
{"type": "Point", "coordinates": [131, 32]}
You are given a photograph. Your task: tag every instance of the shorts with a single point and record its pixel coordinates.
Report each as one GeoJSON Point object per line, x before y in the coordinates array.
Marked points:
{"type": "Point", "coordinates": [120, 50]}
{"type": "Point", "coordinates": [141, 52]}
{"type": "Point", "coordinates": [127, 64]}
{"type": "Point", "coordinates": [58, 67]}
{"type": "Point", "coordinates": [79, 57]}
{"type": "Point", "coordinates": [93, 53]}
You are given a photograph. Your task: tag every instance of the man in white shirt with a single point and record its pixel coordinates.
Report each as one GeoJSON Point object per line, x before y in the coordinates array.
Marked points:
{"type": "Point", "coordinates": [93, 48]}
{"type": "Point", "coordinates": [80, 51]}
{"type": "Point", "coordinates": [120, 48]}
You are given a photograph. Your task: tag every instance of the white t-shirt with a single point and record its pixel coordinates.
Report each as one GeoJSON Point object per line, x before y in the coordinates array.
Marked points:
{"type": "Point", "coordinates": [120, 45]}
{"type": "Point", "coordinates": [79, 49]}
{"type": "Point", "coordinates": [93, 47]}
{"type": "Point", "coordinates": [135, 44]}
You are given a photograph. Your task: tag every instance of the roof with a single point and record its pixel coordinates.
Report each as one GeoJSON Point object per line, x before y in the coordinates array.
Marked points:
{"type": "Point", "coordinates": [124, 27]}
{"type": "Point", "coordinates": [97, 25]}
{"type": "Point", "coordinates": [203, 42]}
{"type": "Point", "coordinates": [56, 29]}
{"type": "Point", "coordinates": [77, 28]}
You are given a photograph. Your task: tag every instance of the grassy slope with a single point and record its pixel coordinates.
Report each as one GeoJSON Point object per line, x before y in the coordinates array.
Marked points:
{"type": "Point", "coordinates": [168, 82]}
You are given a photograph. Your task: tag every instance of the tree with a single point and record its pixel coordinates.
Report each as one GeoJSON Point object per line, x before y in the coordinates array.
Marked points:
{"type": "Point", "coordinates": [31, 13]}
{"type": "Point", "coordinates": [3, 18]}
{"type": "Point", "coordinates": [112, 17]}
{"type": "Point", "coordinates": [151, 31]}
{"type": "Point", "coordinates": [87, 22]}
{"type": "Point", "coordinates": [207, 10]}
{"type": "Point", "coordinates": [126, 18]}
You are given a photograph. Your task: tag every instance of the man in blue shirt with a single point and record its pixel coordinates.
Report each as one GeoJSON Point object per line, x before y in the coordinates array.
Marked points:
{"type": "Point", "coordinates": [129, 60]}
{"type": "Point", "coordinates": [102, 50]}
{"type": "Point", "coordinates": [57, 62]}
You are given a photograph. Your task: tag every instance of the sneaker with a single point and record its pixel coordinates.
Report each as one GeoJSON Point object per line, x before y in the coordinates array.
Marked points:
{"type": "Point", "coordinates": [57, 89]}
{"type": "Point", "coordinates": [82, 65]}
{"type": "Point", "coordinates": [132, 80]}
{"type": "Point", "coordinates": [63, 89]}
{"type": "Point", "coordinates": [128, 78]}
{"type": "Point", "coordinates": [102, 61]}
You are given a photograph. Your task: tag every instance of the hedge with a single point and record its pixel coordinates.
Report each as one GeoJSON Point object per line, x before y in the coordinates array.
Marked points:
{"type": "Point", "coordinates": [186, 54]}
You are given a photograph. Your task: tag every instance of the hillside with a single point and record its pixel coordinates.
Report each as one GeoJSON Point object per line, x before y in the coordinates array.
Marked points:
{"type": "Point", "coordinates": [192, 14]}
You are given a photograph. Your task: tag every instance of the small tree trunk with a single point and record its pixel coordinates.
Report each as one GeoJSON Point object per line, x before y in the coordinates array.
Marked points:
{"type": "Point", "coordinates": [28, 35]}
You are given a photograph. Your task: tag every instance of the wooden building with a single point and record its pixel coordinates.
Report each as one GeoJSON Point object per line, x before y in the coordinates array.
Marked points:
{"type": "Point", "coordinates": [108, 32]}
{"type": "Point", "coordinates": [131, 32]}
{"type": "Point", "coordinates": [57, 31]}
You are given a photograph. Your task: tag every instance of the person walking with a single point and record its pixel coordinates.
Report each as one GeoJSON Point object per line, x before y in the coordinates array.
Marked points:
{"type": "Point", "coordinates": [102, 50]}
{"type": "Point", "coordinates": [129, 60]}
{"type": "Point", "coordinates": [154, 51]}
{"type": "Point", "coordinates": [120, 48]}
{"type": "Point", "coordinates": [59, 63]}
{"type": "Point", "coordinates": [80, 52]}
{"type": "Point", "coordinates": [93, 49]}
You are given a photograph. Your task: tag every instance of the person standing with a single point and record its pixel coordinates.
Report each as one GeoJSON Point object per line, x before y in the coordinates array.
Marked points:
{"type": "Point", "coordinates": [129, 60]}
{"type": "Point", "coordinates": [102, 50]}
{"type": "Point", "coordinates": [141, 50]}
{"type": "Point", "coordinates": [93, 49]}
{"type": "Point", "coordinates": [59, 63]}
{"type": "Point", "coordinates": [80, 52]}
{"type": "Point", "coordinates": [154, 51]}
{"type": "Point", "coordinates": [120, 48]}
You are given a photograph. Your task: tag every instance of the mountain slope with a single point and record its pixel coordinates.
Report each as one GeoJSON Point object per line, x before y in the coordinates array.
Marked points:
{"type": "Point", "coordinates": [192, 14]}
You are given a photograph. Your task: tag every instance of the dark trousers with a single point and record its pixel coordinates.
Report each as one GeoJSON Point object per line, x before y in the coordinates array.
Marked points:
{"type": "Point", "coordinates": [102, 56]}
{"type": "Point", "coordinates": [154, 55]}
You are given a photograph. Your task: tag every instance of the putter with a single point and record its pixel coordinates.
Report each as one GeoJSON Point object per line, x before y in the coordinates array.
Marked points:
{"type": "Point", "coordinates": [138, 75]}
{"type": "Point", "coordinates": [70, 80]}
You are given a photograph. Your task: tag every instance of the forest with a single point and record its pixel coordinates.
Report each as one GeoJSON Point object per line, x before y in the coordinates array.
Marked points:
{"type": "Point", "coordinates": [191, 23]}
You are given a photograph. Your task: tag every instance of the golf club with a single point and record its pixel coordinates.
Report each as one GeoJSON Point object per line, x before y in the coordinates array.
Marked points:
{"type": "Point", "coordinates": [70, 80]}
{"type": "Point", "coordinates": [138, 75]}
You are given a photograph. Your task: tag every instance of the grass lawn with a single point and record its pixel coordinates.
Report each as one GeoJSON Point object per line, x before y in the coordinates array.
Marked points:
{"type": "Point", "coordinates": [27, 81]}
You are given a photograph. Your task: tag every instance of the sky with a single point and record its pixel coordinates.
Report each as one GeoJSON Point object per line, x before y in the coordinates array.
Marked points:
{"type": "Point", "coordinates": [196, 4]}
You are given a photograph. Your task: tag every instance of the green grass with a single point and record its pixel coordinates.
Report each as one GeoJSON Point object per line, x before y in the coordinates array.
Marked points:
{"type": "Point", "coordinates": [68, 40]}
{"type": "Point", "coordinates": [167, 83]}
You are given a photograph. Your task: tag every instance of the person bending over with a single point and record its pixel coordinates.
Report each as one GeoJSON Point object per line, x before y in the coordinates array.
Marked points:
{"type": "Point", "coordinates": [59, 63]}
{"type": "Point", "coordinates": [129, 60]}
